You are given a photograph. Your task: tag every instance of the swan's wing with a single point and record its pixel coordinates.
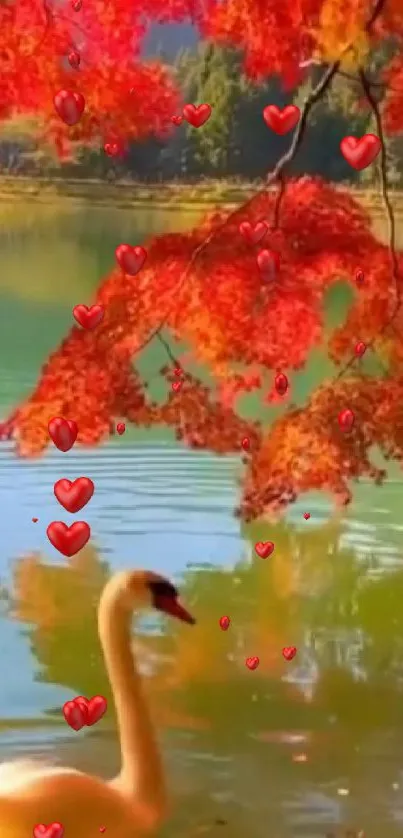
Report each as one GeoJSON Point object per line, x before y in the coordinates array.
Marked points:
{"type": "Point", "coordinates": [21, 771]}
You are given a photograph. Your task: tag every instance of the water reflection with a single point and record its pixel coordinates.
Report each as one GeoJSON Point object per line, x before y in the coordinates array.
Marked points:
{"type": "Point", "coordinates": [295, 748]}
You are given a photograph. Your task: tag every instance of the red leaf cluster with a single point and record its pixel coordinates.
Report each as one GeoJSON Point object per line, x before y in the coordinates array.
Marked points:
{"type": "Point", "coordinates": [126, 98]}
{"type": "Point", "coordinates": [231, 317]}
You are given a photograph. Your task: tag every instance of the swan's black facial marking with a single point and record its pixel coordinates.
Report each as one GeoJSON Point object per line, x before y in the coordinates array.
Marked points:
{"type": "Point", "coordinates": [162, 588]}
{"type": "Point", "coordinates": [165, 598]}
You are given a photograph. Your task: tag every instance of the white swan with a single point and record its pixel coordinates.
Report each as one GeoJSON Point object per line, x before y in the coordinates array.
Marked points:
{"type": "Point", "coordinates": [135, 801]}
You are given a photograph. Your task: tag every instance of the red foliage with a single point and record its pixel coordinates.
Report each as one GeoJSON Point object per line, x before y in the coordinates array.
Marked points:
{"type": "Point", "coordinates": [206, 289]}
{"type": "Point", "coordinates": [393, 109]}
{"type": "Point", "coordinates": [125, 98]}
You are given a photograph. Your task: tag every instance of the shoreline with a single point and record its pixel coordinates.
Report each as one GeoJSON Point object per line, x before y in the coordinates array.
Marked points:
{"type": "Point", "coordinates": [128, 194]}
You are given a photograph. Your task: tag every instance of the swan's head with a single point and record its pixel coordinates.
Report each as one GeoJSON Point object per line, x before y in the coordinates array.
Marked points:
{"type": "Point", "coordinates": [146, 589]}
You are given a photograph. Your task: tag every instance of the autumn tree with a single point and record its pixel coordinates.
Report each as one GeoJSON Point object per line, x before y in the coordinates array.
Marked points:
{"type": "Point", "coordinates": [207, 289]}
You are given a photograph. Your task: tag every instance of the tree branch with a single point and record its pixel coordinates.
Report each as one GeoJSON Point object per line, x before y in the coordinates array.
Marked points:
{"type": "Point", "coordinates": [277, 174]}
{"type": "Point", "coordinates": [394, 260]}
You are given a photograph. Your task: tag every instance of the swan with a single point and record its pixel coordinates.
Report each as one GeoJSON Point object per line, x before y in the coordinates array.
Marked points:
{"type": "Point", "coordinates": [133, 803]}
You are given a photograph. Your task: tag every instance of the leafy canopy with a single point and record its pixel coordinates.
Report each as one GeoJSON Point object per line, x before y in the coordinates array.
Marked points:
{"type": "Point", "coordinates": [204, 287]}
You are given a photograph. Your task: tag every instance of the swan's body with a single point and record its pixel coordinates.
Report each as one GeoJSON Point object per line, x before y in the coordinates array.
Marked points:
{"type": "Point", "coordinates": [132, 804]}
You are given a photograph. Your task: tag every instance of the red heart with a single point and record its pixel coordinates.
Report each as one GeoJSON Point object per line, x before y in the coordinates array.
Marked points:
{"type": "Point", "coordinates": [252, 663]}
{"type": "Point", "coordinates": [253, 234]}
{"type": "Point", "coordinates": [176, 386]}
{"type": "Point", "coordinates": [360, 152]}
{"type": "Point", "coordinates": [63, 432]}
{"type": "Point", "coordinates": [96, 708]}
{"type": "Point", "coordinates": [88, 316]}
{"type": "Point", "coordinates": [245, 443]}
{"type": "Point", "coordinates": [346, 419]}
{"type": "Point", "coordinates": [75, 714]}
{"type": "Point", "coordinates": [196, 116]}
{"type": "Point", "coordinates": [264, 549]}
{"type": "Point", "coordinates": [307, 516]}
{"type": "Point", "coordinates": [131, 259]}
{"type": "Point", "coordinates": [68, 540]}
{"type": "Point", "coordinates": [178, 371]}
{"type": "Point", "coordinates": [74, 59]}
{"type": "Point", "coordinates": [121, 427]}
{"type": "Point", "coordinates": [289, 652]}
{"type": "Point", "coordinates": [177, 120]}
{"type": "Point", "coordinates": [69, 106]}
{"type": "Point", "coordinates": [111, 149]}
{"type": "Point", "coordinates": [35, 520]}
{"type": "Point", "coordinates": [53, 830]}
{"type": "Point", "coordinates": [281, 120]}
{"type": "Point", "coordinates": [281, 383]}
{"type": "Point", "coordinates": [225, 623]}
{"type": "Point", "coordinates": [74, 495]}
{"type": "Point", "coordinates": [268, 262]}
{"type": "Point", "coordinates": [360, 348]}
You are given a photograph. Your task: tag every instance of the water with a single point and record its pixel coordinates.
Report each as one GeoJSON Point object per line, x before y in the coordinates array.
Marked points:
{"type": "Point", "coordinates": [291, 750]}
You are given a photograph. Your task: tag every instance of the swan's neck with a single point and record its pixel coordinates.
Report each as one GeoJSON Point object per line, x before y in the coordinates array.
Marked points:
{"type": "Point", "coordinates": [141, 775]}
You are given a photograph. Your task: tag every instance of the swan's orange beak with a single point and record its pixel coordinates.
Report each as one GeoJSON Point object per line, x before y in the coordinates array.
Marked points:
{"type": "Point", "coordinates": [170, 605]}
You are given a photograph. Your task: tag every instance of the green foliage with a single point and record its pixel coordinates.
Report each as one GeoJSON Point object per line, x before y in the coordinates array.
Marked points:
{"type": "Point", "coordinates": [235, 142]}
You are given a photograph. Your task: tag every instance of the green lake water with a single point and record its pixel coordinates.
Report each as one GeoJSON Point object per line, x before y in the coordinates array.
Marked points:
{"type": "Point", "coordinates": [291, 750]}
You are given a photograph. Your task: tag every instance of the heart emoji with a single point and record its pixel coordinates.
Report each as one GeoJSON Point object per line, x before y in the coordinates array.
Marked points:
{"type": "Point", "coordinates": [198, 115]}
{"type": "Point", "coordinates": [68, 540]}
{"type": "Point", "coordinates": [75, 714]}
{"type": "Point", "coordinates": [268, 263]}
{"type": "Point", "coordinates": [346, 420]}
{"type": "Point", "coordinates": [360, 152]}
{"type": "Point", "coordinates": [289, 652]}
{"type": "Point", "coordinates": [74, 495]}
{"type": "Point", "coordinates": [281, 120]}
{"type": "Point", "coordinates": [178, 371]}
{"type": "Point", "coordinates": [176, 386]}
{"type": "Point", "coordinates": [88, 317]}
{"type": "Point", "coordinates": [131, 259]}
{"type": "Point", "coordinates": [112, 149]}
{"type": "Point", "coordinates": [253, 234]}
{"type": "Point", "coordinates": [252, 663]}
{"type": "Point", "coordinates": [307, 516]}
{"type": "Point", "coordinates": [53, 830]}
{"type": "Point", "coordinates": [360, 348]}
{"type": "Point", "coordinates": [96, 708]}
{"type": "Point", "coordinates": [74, 59]}
{"type": "Point", "coordinates": [281, 384]}
{"type": "Point", "coordinates": [177, 120]}
{"type": "Point", "coordinates": [63, 432]}
{"type": "Point", "coordinates": [225, 623]}
{"type": "Point", "coordinates": [245, 443]}
{"type": "Point", "coordinates": [69, 106]}
{"type": "Point", "coordinates": [35, 520]}
{"type": "Point", "coordinates": [120, 428]}
{"type": "Point", "coordinates": [264, 549]}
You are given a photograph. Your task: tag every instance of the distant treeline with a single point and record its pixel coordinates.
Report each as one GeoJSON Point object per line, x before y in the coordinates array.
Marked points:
{"type": "Point", "coordinates": [235, 142]}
